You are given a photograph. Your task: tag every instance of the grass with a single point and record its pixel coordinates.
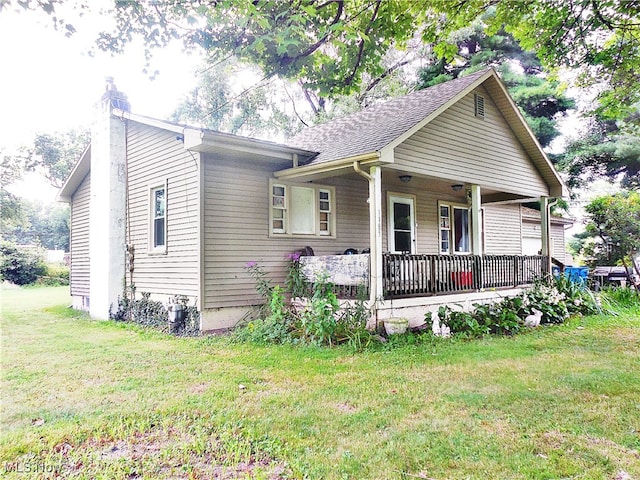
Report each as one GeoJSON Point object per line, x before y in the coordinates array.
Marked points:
{"type": "Point", "coordinates": [92, 399]}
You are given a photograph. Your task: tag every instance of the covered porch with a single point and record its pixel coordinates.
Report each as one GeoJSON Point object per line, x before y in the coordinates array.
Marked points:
{"type": "Point", "coordinates": [405, 249]}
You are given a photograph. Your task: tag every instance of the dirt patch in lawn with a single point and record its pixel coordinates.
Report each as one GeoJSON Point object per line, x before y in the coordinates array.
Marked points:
{"type": "Point", "coordinates": [625, 460]}
{"type": "Point", "coordinates": [166, 453]}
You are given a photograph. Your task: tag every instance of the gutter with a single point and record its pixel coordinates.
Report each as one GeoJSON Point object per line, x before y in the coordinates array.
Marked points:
{"type": "Point", "coordinates": [359, 171]}
{"type": "Point", "coordinates": [324, 167]}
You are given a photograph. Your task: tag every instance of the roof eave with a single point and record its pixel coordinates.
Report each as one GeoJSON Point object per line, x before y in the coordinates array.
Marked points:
{"type": "Point", "coordinates": [152, 122]}
{"type": "Point", "coordinates": [370, 158]}
{"type": "Point", "coordinates": [206, 141]}
{"type": "Point", "coordinates": [76, 176]}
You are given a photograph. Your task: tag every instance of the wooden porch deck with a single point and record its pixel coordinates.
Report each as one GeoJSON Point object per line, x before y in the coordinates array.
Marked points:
{"type": "Point", "coordinates": [417, 275]}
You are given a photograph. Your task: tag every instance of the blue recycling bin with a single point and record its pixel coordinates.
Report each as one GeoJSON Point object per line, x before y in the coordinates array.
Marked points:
{"type": "Point", "coordinates": [577, 274]}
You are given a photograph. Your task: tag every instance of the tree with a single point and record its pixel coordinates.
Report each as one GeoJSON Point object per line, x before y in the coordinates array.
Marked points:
{"type": "Point", "coordinates": [609, 150]}
{"type": "Point", "coordinates": [262, 110]}
{"type": "Point", "coordinates": [43, 225]}
{"type": "Point", "coordinates": [19, 265]}
{"type": "Point", "coordinates": [46, 6]}
{"type": "Point", "coordinates": [601, 39]}
{"type": "Point", "coordinates": [329, 45]}
{"type": "Point", "coordinates": [614, 222]}
{"type": "Point", "coordinates": [11, 211]}
{"type": "Point", "coordinates": [56, 154]}
{"type": "Point", "coordinates": [540, 100]}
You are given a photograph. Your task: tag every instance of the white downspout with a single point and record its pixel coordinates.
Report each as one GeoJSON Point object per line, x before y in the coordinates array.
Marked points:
{"type": "Point", "coordinates": [374, 177]}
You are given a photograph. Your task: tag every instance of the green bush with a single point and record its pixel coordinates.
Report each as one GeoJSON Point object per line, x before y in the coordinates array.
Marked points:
{"type": "Point", "coordinates": [20, 266]}
{"type": "Point", "coordinates": [320, 322]}
{"type": "Point", "coordinates": [556, 298]}
{"type": "Point", "coordinates": [55, 275]}
{"type": "Point", "coordinates": [153, 313]}
{"type": "Point", "coordinates": [274, 327]}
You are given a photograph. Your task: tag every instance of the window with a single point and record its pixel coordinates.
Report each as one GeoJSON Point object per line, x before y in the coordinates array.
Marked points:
{"type": "Point", "coordinates": [454, 228]}
{"type": "Point", "coordinates": [445, 228]}
{"type": "Point", "coordinates": [324, 207]}
{"type": "Point", "coordinates": [303, 210]}
{"type": "Point", "coordinates": [158, 223]}
{"type": "Point", "coordinates": [278, 209]}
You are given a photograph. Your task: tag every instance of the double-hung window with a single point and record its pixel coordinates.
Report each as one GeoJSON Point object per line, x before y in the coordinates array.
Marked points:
{"type": "Point", "coordinates": [302, 210]}
{"type": "Point", "coordinates": [158, 219]}
{"type": "Point", "coordinates": [454, 228]}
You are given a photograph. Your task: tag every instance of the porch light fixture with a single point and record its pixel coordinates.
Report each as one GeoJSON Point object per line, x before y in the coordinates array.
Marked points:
{"type": "Point", "coordinates": [457, 187]}
{"type": "Point", "coordinates": [405, 178]}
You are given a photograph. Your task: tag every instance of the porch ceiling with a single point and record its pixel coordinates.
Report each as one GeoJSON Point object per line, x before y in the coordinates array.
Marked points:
{"type": "Point", "coordinates": [391, 178]}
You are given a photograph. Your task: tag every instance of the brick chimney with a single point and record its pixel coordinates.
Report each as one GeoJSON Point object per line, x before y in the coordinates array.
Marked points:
{"type": "Point", "coordinates": [108, 202]}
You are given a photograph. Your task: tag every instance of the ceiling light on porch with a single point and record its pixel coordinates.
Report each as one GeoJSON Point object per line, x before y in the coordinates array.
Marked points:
{"type": "Point", "coordinates": [405, 178]}
{"type": "Point", "coordinates": [456, 187]}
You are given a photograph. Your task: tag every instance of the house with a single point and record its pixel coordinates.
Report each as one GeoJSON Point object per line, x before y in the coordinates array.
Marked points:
{"type": "Point", "coordinates": [429, 186]}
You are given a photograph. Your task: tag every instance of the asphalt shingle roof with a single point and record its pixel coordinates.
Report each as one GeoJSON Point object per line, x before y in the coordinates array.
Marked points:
{"type": "Point", "coordinates": [375, 127]}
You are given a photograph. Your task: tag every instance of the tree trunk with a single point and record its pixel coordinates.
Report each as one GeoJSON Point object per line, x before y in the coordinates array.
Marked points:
{"type": "Point", "coordinates": [629, 277]}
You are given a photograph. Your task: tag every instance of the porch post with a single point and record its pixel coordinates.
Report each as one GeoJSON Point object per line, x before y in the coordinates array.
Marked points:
{"type": "Point", "coordinates": [545, 231]}
{"type": "Point", "coordinates": [375, 232]}
{"type": "Point", "coordinates": [476, 220]}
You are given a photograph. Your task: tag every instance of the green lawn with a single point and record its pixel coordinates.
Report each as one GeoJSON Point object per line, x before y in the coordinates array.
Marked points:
{"type": "Point", "coordinates": [89, 399]}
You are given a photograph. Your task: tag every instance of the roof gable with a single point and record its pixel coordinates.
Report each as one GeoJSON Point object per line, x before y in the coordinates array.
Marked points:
{"type": "Point", "coordinates": [374, 128]}
{"type": "Point", "coordinates": [379, 129]}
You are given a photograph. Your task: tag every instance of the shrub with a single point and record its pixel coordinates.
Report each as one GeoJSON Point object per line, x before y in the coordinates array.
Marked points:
{"type": "Point", "coordinates": [274, 327]}
{"type": "Point", "coordinates": [319, 322]}
{"type": "Point", "coordinates": [545, 297]}
{"type": "Point", "coordinates": [460, 322]}
{"type": "Point", "coordinates": [55, 275]}
{"type": "Point", "coordinates": [557, 299]}
{"type": "Point", "coordinates": [153, 313]}
{"type": "Point", "coordinates": [577, 298]}
{"type": "Point", "coordinates": [296, 283]}
{"type": "Point", "coordinates": [20, 266]}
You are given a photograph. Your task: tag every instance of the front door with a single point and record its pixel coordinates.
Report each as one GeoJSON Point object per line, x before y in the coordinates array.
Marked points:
{"type": "Point", "coordinates": [402, 225]}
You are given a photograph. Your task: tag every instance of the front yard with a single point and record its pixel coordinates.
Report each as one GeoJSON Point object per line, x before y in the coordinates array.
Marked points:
{"type": "Point", "coordinates": [89, 399]}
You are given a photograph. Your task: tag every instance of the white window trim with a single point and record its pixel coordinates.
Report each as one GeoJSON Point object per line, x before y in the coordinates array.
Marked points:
{"type": "Point", "coordinates": [151, 188]}
{"type": "Point", "coordinates": [452, 206]}
{"type": "Point", "coordinates": [287, 223]}
{"type": "Point", "coordinates": [411, 201]}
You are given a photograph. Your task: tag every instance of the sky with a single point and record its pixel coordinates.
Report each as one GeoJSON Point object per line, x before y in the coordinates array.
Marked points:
{"type": "Point", "coordinates": [49, 83]}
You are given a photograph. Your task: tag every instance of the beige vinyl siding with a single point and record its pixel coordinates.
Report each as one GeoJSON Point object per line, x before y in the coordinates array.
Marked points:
{"type": "Point", "coordinates": [502, 230]}
{"type": "Point", "coordinates": [557, 234]}
{"type": "Point", "coordinates": [462, 148]}
{"type": "Point", "coordinates": [426, 209]}
{"type": "Point", "coordinates": [531, 229]}
{"type": "Point", "coordinates": [236, 228]}
{"type": "Point", "coordinates": [79, 241]}
{"type": "Point", "coordinates": [156, 157]}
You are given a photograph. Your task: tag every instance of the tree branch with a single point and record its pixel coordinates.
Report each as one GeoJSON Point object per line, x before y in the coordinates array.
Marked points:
{"type": "Point", "coordinates": [375, 82]}
{"type": "Point", "coordinates": [308, 97]}
{"type": "Point", "coordinates": [293, 103]}
{"type": "Point", "coordinates": [374, 16]}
